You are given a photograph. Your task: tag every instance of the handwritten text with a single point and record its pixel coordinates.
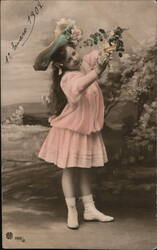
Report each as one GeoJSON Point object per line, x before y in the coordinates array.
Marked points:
{"type": "Point", "coordinates": [26, 33]}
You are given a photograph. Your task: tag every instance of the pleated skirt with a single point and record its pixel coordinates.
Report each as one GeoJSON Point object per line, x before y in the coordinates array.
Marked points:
{"type": "Point", "coordinates": [66, 148]}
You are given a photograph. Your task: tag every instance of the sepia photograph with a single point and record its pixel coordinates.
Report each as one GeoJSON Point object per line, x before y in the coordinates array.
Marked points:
{"type": "Point", "coordinates": [78, 124]}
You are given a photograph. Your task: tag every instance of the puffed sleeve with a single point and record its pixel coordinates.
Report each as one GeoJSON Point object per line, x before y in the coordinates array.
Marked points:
{"type": "Point", "coordinates": [69, 85]}
{"type": "Point", "coordinates": [91, 58]}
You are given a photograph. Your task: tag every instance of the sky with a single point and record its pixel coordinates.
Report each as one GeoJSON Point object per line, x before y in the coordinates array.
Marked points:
{"type": "Point", "coordinates": [19, 82]}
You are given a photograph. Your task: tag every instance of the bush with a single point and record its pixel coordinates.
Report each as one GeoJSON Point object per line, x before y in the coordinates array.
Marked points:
{"type": "Point", "coordinates": [16, 117]}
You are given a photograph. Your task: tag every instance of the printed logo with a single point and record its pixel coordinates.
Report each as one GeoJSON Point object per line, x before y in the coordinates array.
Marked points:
{"type": "Point", "coordinates": [9, 235]}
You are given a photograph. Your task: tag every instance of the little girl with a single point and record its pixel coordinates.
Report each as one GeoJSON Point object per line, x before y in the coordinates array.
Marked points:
{"type": "Point", "coordinates": [74, 143]}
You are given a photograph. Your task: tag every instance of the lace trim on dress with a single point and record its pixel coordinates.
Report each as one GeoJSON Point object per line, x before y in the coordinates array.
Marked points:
{"type": "Point", "coordinates": [76, 160]}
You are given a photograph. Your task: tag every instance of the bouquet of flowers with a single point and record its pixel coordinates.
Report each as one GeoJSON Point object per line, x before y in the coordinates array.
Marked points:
{"type": "Point", "coordinates": [112, 40]}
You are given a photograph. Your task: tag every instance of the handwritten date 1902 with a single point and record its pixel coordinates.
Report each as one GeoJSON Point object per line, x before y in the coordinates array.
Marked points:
{"type": "Point", "coordinates": [26, 33]}
{"type": "Point", "coordinates": [32, 17]}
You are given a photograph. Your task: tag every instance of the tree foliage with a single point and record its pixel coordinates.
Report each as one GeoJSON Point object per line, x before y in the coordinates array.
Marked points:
{"type": "Point", "coordinates": [135, 80]}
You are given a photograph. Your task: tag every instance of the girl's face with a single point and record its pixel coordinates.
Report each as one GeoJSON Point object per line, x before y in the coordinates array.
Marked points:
{"type": "Point", "coordinates": [72, 60]}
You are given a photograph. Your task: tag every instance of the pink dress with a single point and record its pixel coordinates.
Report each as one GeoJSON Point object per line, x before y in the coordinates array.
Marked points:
{"type": "Point", "coordinates": [75, 138]}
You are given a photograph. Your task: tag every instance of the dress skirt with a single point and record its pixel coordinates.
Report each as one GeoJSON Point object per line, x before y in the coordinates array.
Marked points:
{"type": "Point", "coordinates": [66, 148]}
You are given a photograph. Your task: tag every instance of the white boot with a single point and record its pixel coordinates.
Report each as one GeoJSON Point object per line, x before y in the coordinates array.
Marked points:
{"type": "Point", "coordinates": [91, 213]}
{"type": "Point", "coordinates": [72, 221]}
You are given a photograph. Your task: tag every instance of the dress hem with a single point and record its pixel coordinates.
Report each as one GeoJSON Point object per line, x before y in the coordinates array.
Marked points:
{"type": "Point", "coordinates": [71, 166]}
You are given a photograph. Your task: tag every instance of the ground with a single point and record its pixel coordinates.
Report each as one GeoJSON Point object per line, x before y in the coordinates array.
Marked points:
{"type": "Point", "coordinates": [132, 229]}
{"type": "Point", "coordinates": [34, 212]}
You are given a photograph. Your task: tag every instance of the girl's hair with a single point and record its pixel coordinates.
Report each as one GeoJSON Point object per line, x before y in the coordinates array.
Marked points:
{"type": "Point", "coordinates": [57, 98]}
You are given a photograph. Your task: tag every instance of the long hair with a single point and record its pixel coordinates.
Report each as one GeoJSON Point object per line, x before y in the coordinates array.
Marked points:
{"type": "Point", "coordinates": [57, 98]}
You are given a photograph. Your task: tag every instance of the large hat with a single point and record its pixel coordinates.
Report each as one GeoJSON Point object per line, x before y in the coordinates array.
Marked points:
{"type": "Point", "coordinates": [65, 32]}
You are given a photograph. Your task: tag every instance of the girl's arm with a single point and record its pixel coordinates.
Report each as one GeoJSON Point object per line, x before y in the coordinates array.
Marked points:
{"type": "Point", "coordinates": [75, 83]}
{"type": "Point", "coordinates": [84, 82]}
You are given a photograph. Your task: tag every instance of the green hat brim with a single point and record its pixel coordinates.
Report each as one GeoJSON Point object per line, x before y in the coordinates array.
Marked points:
{"type": "Point", "coordinates": [43, 59]}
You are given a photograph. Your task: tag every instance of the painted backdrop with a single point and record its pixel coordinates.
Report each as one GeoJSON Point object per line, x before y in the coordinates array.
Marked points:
{"type": "Point", "coordinates": [27, 27]}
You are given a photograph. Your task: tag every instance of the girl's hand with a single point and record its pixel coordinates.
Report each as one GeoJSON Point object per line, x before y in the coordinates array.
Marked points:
{"type": "Point", "coordinates": [102, 62]}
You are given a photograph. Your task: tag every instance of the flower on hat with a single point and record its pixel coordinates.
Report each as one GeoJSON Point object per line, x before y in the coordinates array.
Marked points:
{"type": "Point", "coordinates": [75, 32]}
{"type": "Point", "coordinates": [61, 26]}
